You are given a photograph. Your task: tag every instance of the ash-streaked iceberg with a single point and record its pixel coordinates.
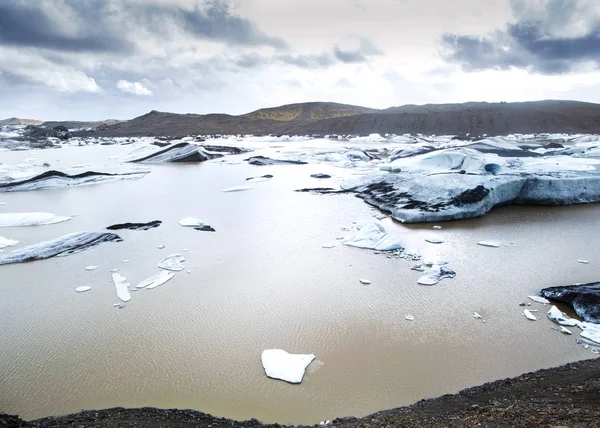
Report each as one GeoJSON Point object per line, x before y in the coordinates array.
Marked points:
{"type": "Point", "coordinates": [264, 161]}
{"type": "Point", "coordinates": [135, 226]}
{"type": "Point", "coordinates": [373, 236]}
{"type": "Point", "coordinates": [279, 364]}
{"type": "Point", "coordinates": [181, 152]}
{"type": "Point", "coordinates": [30, 219]}
{"type": "Point", "coordinates": [585, 299]}
{"type": "Point", "coordinates": [435, 274]}
{"type": "Point", "coordinates": [58, 179]}
{"type": "Point", "coordinates": [59, 247]}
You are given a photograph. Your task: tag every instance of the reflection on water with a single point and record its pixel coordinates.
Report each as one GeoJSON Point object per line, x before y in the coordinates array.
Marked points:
{"type": "Point", "coordinates": [263, 280]}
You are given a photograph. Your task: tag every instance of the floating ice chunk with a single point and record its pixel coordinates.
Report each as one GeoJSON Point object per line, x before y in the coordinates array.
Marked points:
{"type": "Point", "coordinates": [491, 244]}
{"type": "Point", "coordinates": [185, 250]}
{"type": "Point", "coordinates": [238, 189]}
{"type": "Point", "coordinates": [409, 317]}
{"type": "Point", "coordinates": [83, 288]}
{"type": "Point", "coordinates": [565, 330]}
{"type": "Point", "coordinates": [173, 263]}
{"type": "Point", "coordinates": [125, 261]}
{"type": "Point", "coordinates": [364, 281]}
{"type": "Point", "coordinates": [121, 285]}
{"type": "Point", "coordinates": [329, 245]}
{"type": "Point", "coordinates": [30, 219]}
{"type": "Point", "coordinates": [585, 262]}
{"type": "Point", "coordinates": [115, 270]}
{"type": "Point", "coordinates": [431, 262]}
{"type": "Point", "coordinates": [437, 227]}
{"type": "Point", "coordinates": [529, 315]}
{"type": "Point", "coordinates": [279, 364]}
{"type": "Point", "coordinates": [5, 242]}
{"type": "Point", "coordinates": [192, 222]}
{"type": "Point", "coordinates": [259, 179]}
{"type": "Point", "coordinates": [161, 247]}
{"type": "Point", "coordinates": [373, 236]}
{"type": "Point", "coordinates": [477, 316]}
{"type": "Point", "coordinates": [411, 254]}
{"type": "Point", "coordinates": [59, 247]}
{"type": "Point", "coordinates": [435, 274]}
{"type": "Point", "coordinates": [91, 267]}
{"type": "Point", "coordinates": [155, 280]}
{"type": "Point", "coordinates": [539, 299]}
{"type": "Point", "coordinates": [554, 314]}
{"type": "Point", "coordinates": [434, 240]}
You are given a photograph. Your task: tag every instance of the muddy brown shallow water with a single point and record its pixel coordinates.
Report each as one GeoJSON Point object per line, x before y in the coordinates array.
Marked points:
{"type": "Point", "coordinates": [264, 280]}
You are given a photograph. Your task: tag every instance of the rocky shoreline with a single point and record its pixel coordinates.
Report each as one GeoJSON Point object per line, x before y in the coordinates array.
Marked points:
{"type": "Point", "coordinates": [561, 396]}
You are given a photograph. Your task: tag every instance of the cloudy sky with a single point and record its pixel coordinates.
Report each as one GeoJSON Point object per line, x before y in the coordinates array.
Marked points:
{"type": "Point", "coordinates": [99, 59]}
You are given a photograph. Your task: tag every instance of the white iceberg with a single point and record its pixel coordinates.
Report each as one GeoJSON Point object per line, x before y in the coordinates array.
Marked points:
{"type": "Point", "coordinates": [555, 315]}
{"type": "Point", "coordinates": [30, 219]}
{"type": "Point", "coordinates": [279, 364]}
{"type": "Point", "coordinates": [373, 236]}
{"type": "Point", "coordinates": [121, 285]}
{"type": "Point", "coordinates": [155, 280]}
{"type": "Point", "coordinates": [172, 263]}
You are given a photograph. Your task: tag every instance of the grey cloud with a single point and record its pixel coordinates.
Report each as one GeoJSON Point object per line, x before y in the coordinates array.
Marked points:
{"type": "Point", "coordinates": [37, 24]}
{"type": "Point", "coordinates": [535, 41]}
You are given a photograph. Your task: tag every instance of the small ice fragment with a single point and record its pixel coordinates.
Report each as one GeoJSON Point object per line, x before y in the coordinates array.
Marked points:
{"type": "Point", "coordinates": [434, 240]}
{"type": "Point", "coordinates": [279, 364]}
{"type": "Point", "coordinates": [565, 330]}
{"type": "Point", "coordinates": [585, 262]}
{"type": "Point", "coordinates": [121, 285]}
{"type": "Point", "coordinates": [161, 246]}
{"type": "Point", "coordinates": [155, 280]}
{"type": "Point", "coordinates": [173, 262]}
{"type": "Point", "coordinates": [364, 281]}
{"type": "Point", "coordinates": [437, 227]}
{"type": "Point", "coordinates": [185, 250]}
{"type": "Point", "coordinates": [191, 222]}
{"type": "Point", "coordinates": [115, 270]}
{"type": "Point", "coordinates": [435, 274]}
{"type": "Point", "coordinates": [539, 299]}
{"type": "Point", "coordinates": [329, 245]}
{"type": "Point", "coordinates": [126, 261]}
{"type": "Point", "coordinates": [529, 315]}
{"type": "Point", "coordinates": [189, 271]}
{"type": "Point", "coordinates": [119, 305]}
{"type": "Point", "coordinates": [477, 316]}
{"type": "Point", "coordinates": [91, 267]}
{"type": "Point", "coordinates": [409, 317]}
{"type": "Point", "coordinates": [238, 189]}
{"type": "Point", "coordinates": [490, 244]}
{"type": "Point", "coordinates": [554, 314]}
{"type": "Point", "coordinates": [83, 288]}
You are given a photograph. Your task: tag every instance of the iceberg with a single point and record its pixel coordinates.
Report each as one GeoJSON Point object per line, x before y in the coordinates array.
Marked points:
{"type": "Point", "coordinates": [30, 219]}
{"type": "Point", "coordinates": [181, 152]}
{"type": "Point", "coordinates": [5, 242]}
{"type": "Point", "coordinates": [57, 179]}
{"type": "Point", "coordinates": [136, 226]}
{"type": "Point", "coordinates": [156, 280]}
{"type": "Point", "coordinates": [372, 236]}
{"type": "Point", "coordinates": [555, 315]}
{"type": "Point", "coordinates": [435, 274]}
{"type": "Point", "coordinates": [172, 263]}
{"type": "Point", "coordinates": [279, 364]}
{"type": "Point", "coordinates": [121, 285]}
{"type": "Point", "coordinates": [59, 247]}
{"type": "Point", "coordinates": [584, 298]}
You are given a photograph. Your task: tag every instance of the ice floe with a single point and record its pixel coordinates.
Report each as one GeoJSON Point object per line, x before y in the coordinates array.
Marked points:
{"type": "Point", "coordinates": [373, 236]}
{"type": "Point", "coordinates": [491, 244]}
{"type": "Point", "coordinates": [91, 267]}
{"type": "Point", "coordinates": [172, 263]}
{"type": "Point", "coordinates": [539, 299]}
{"type": "Point", "coordinates": [435, 274]}
{"type": "Point", "coordinates": [279, 364]}
{"type": "Point", "coordinates": [5, 242]}
{"type": "Point", "coordinates": [59, 247]}
{"type": "Point", "coordinates": [192, 222]}
{"type": "Point", "coordinates": [30, 219]}
{"type": "Point", "coordinates": [121, 285]}
{"type": "Point", "coordinates": [156, 280]}
{"type": "Point", "coordinates": [529, 315]}
{"type": "Point", "coordinates": [434, 240]}
{"type": "Point", "coordinates": [409, 317]}
{"type": "Point", "coordinates": [259, 179]}
{"type": "Point", "coordinates": [364, 281]}
{"type": "Point", "coordinates": [238, 189]}
{"type": "Point", "coordinates": [83, 288]}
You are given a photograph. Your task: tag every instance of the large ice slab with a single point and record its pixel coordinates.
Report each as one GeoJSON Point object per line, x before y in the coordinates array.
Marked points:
{"type": "Point", "coordinates": [156, 280]}
{"type": "Point", "coordinates": [181, 152]}
{"type": "Point", "coordinates": [584, 298]}
{"type": "Point", "coordinates": [59, 247]}
{"type": "Point", "coordinates": [30, 219]}
{"type": "Point", "coordinates": [121, 285]}
{"type": "Point", "coordinates": [58, 179]}
{"type": "Point", "coordinates": [372, 235]}
{"type": "Point", "coordinates": [279, 364]}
